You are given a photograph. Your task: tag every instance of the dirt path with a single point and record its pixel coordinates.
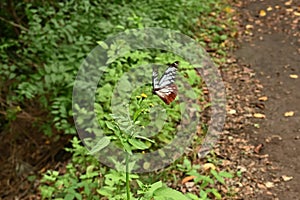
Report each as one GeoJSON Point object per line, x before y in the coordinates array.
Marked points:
{"type": "Point", "coordinates": [271, 46]}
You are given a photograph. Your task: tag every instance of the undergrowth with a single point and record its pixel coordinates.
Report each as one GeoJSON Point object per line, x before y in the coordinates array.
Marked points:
{"type": "Point", "coordinates": [40, 66]}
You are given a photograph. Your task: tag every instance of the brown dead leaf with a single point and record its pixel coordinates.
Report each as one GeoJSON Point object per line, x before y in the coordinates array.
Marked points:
{"type": "Point", "coordinates": [288, 3]}
{"type": "Point", "coordinates": [262, 13]}
{"type": "Point", "coordinates": [269, 184]}
{"type": "Point", "coordinates": [231, 60]}
{"type": "Point", "coordinates": [242, 168]}
{"type": "Point", "coordinates": [286, 178]}
{"type": "Point", "coordinates": [289, 114]}
{"type": "Point", "coordinates": [259, 115]}
{"type": "Point", "coordinates": [47, 142]}
{"type": "Point", "coordinates": [295, 76]}
{"type": "Point", "coordinates": [276, 136]}
{"type": "Point", "coordinates": [208, 166]}
{"type": "Point", "coordinates": [264, 98]}
{"type": "Point", "coordinates": [247, 148]}
{"type": "Point", "coordinates": [262, 156]}
{"type": "Point", "coordinates": [261, 186]}
{"type": "Point", "coordinates": [226, 162]}
{"type": "Point", "coordinates": [43, 170]}
{"type": "Point", "coordinates": [297, 13]}
{"type": "Point", "coordinates": [187, 179]}
{"type": "Point", "coordinates": [249, 26]}
{"type": "Point", "coordinates": [190, 186]}
{"type": "Point", "coordinates": [269, 8]}
{"type": "Point", "coordinates": [232, 111]}
{"type": "Point", "coordinates": [272, 137]}
{"type": "Point", "coordinates": [248, 32]}
{"type": "Point", "coordinates": [258, 148]}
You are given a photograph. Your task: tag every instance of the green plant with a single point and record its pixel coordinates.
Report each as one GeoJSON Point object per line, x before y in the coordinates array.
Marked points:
{"type": "Point", "coordinates": [209, 181]}
{"type": "Point", "coordinates": [39, 65]}
{"type": "Point", "coordinates": [72, 184]}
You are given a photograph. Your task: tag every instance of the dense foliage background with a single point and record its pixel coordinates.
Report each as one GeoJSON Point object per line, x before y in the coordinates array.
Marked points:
{"type": "Point", "coordinates": [42, 46]}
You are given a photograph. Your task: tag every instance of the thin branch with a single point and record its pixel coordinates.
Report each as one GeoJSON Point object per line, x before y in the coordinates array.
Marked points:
{"type": "Point", "coordinates": [14, 24]}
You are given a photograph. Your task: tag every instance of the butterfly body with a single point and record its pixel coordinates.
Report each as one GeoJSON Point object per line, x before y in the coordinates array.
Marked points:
{"type": "Point", "coordinates": [165, 87]}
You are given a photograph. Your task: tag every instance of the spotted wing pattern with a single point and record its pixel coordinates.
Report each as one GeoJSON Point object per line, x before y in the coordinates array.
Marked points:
{"type": "Point", "coordinates": [165, 87]}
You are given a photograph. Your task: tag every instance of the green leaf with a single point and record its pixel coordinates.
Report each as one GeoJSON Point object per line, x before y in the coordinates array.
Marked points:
{"type": "Point", "coordinates": [127, 147]}
{"type": "Point", "coordinates": [192, 196]}
{"type": "Point", "coordinates": [69, 197]}
{"type": "Point", "coordinates": [101, 144]}
{"type": "Point", "coordinates": [144, 138]}
{"type": "Point", "coordinates": [203, 194]}
{"type": "Point", "coordinates": [138, 144]}
{"type": "Point", "coordinates": [225, 174]}
{"type": "Point", "coordinates": [217, 176]}
{"type": "Point", "coordinates": [216, 193]}
{"type": "Point", "coordinates": [140, 183]}
{"type": "Point", "coordinates": [168, 193]}
{"type": "Point", "coordinates": [155, 186]}
{"type": "Point", "coordinates": [110, 125]}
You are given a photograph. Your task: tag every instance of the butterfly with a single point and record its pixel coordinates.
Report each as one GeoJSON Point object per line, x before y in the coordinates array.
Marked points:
{"type": "Point", "coordinates": [165, 87]}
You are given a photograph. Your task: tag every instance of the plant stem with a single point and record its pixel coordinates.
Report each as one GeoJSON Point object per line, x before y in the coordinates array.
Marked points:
{"type": "Point", "coordinates": [127, 177]}
{"type": "Point", "coordinates": [14, 24]}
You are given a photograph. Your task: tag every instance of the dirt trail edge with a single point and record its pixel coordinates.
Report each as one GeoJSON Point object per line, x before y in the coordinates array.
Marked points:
{"type": "Point", "coordinates": [270, 45]}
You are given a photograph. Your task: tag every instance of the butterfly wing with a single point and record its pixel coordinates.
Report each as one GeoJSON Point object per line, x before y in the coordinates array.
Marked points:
{"type": "Point", "coordinates": [167, 94]}
{"type": "Point", "coordinates": [169, 76]}
{"type": "Point", "coordinates": [165, 87]}
{"type": "Point", "coordinates": [155, 80]}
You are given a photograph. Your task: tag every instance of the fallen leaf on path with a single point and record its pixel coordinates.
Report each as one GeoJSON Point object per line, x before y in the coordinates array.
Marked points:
{"type": "Point", "coordinates": [276, 136]}
{"type": "Point", "coordinates": [258, 148]}
{"type": "Point", "coordinates": [232, 111]}
{"type": "Point", "coordinates": [289, 114]}
{"type": "Point", "coordinates": [264, 98]}
{"type": "Point", "coordinates": [261, 186]}
{"type": "Point", "coordinates": [288, 3]}
{"type": "Point", "coordinates": [293, 76]}
{"type": "Point", "coordinates": [231, 60]}
{"type": "Point", "coordinates": [248, 32]}
{"type": "Point", "coordinates": [286, 178]}
{"type": "Point", "coordinates": [262, 156]}
{"type": "Point", "coordinates": [259, 115]}
{"type": "Point", "coordinates": [269, 139]}
{"type": "Point", "coordinates": [262, 13]}
{"type": "Point", "coordinates": [270, 194]}
{"type": "Point", "coordinates": [269, 184]}
{"type": "Point", "coordinates": [269, 8]}
{"type": "Point", "coordinates": [256, 125]}
{"type": "Point", "coordinates": [249, 26]}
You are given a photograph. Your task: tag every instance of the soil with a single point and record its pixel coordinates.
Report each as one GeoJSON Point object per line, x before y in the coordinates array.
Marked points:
{"type": "Point", "coordinates": [270, 45]}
